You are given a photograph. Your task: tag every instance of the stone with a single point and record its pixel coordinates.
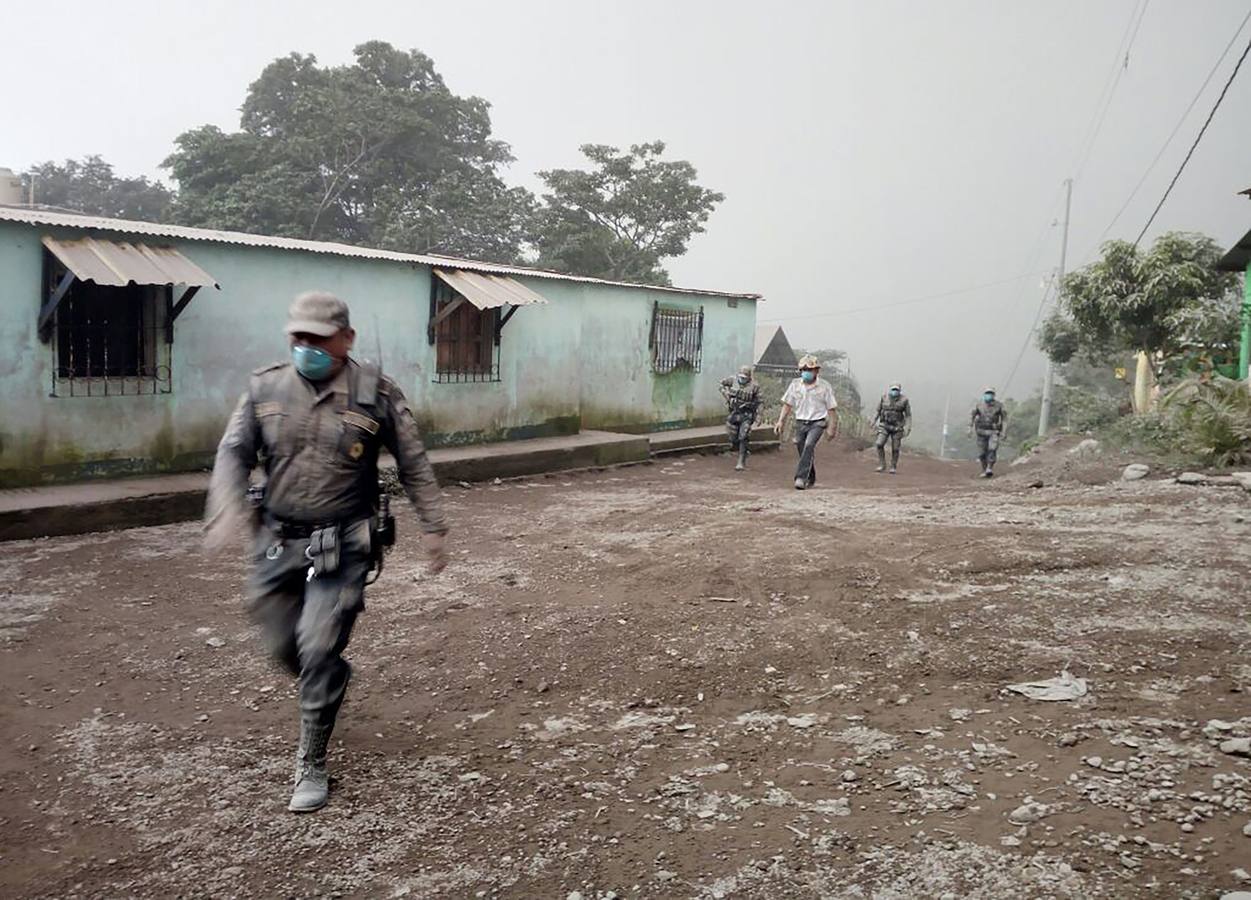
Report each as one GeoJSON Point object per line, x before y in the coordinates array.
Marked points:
{"type": "Point", "coordinates": [1088, 447]}
{"type": "Point", "coordinates": [216, 642]}
{"type": "Point", "coordinates": [849, 776]}
{"type": "Point", "coordinates": [1237, 895]}
{"type": "Point", "coordinates": [1135, 472]}
{"type": "Point", "coordinates": [1243, 478]}
{"type": "Point", "coordinates": [1246, 830]}
{"type": "Point", "coordinates": [1237, 746]}
{"type": "Point", "coordinates": [1094, 761]}
{"type": "Point", "coordinates": [1068, 739]}
{"type": "Point", "coordinates": [1028, 813]}
{"type": "Point", "coordinates": [1190, 478]}
{"type": "Point", "coordinates": [666, 875]}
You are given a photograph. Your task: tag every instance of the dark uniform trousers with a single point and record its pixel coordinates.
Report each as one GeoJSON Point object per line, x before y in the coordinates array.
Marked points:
{"type": "Point", "coordinates": [306, 624]}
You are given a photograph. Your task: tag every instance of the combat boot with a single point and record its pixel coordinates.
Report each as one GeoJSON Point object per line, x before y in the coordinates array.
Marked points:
{"type": "Point", "coordinates": [312, 784]}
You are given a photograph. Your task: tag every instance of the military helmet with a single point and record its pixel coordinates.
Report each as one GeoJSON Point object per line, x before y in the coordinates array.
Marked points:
{"type": "Point", "coordinates": [808, 361]}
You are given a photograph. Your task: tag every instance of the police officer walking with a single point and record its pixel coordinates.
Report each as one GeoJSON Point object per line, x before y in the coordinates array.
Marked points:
{"type": "Point", "coordinates": [317, 424]}
{"type": "Point", "coordinates": [988, 421]}
{"type": "Point", "coordinates": [742, 396]}
{"type": "Point", "coordinates": [893, 421]}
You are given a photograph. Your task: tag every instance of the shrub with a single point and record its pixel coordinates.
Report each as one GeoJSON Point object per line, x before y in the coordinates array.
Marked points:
{"type": "Point", "coordinates": [1211, 418]}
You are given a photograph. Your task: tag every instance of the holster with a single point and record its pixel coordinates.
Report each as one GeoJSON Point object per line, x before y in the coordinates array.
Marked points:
{"type": "Point", "coordinates": [323, 550]}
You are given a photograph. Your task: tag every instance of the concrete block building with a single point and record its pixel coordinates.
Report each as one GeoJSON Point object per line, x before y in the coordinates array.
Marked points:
{"type": "Point", "coordinates": [126, 344]}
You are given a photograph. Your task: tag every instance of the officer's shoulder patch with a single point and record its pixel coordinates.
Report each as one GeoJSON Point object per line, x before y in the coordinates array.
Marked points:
{"type": "Point", "coordinates": [272, 367]}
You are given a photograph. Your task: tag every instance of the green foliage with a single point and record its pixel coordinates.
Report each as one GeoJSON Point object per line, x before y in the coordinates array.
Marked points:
{"type": "Point", "coordinates": [1059, 338]}
{"type": "Point", "coordinates": [379, 152]}
{"type": "Point", "coordinates": [92, 188]}
{"type": "Point", "coordinates": [621, 218]}
{"type": "Point", "coordinates": [1212, 419]}
{"type": "Point", "coordinates": [1156, 301]}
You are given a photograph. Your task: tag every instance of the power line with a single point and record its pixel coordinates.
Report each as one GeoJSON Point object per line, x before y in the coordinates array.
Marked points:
{"type": "Point", "coordinates": [910, 300]}
{"type": "Point", "coordinates": [1194, 146]}
{"type": "Point", "coordinates": [1120, 64]}
{"type": "Point", "coordinates": [1176, 128]}
{"type": "Point", "coordinates": [1042, 304]}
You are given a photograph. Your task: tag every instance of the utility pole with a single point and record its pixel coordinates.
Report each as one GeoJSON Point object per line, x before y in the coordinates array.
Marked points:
{"type": "Point", "coordinates": [1044, 415]}
{"type": "Point", "coordinates": [942, 445]}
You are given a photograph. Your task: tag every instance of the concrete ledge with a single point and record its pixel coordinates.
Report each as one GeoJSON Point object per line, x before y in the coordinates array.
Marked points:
{"type": "Point", "coordinates": [706, 440]}
{"type": "Point", "coordinates": [162, 499]}
{"type": "Point", "coordinates": [511, 459]}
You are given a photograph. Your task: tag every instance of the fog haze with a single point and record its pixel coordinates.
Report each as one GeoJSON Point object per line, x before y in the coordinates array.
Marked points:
{"type": "Point", "coordinates": [870, 153]}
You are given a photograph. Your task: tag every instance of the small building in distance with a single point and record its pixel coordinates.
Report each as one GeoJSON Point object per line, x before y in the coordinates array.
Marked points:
{"type": "Point", "coordinates": [773, 352]}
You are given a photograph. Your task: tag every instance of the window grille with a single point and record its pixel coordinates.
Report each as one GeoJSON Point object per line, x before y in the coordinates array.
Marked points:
{"type": "Point", "coordinates": [109, 341]}
{"type": "Point", "coordinates": [677, 339]}
{"type": "Point", "coordinates": [466, 339]}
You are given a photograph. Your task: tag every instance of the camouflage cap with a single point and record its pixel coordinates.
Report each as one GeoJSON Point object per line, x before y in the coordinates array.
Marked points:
{"type": "Point", "coordinates": [988, 390]}
{"type": "Point", "coordinates": [744, 370]}
{"type": "Point", "coordinates": [319, 313]}
{"type": "Point", "coordinates": [808, 361]}
{"type": "Point", "coordinates": [894, 386]}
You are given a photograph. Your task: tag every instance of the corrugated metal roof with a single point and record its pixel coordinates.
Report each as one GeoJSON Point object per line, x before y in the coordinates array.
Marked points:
{"type": "Point", "coordinates": [1238, 257]}
{"type": "Point", "coordinates": [152, 229]}
{"type": "Point", "coordinates": [118, 263]}
{"type": "Point", "coordinates": [489, 291]}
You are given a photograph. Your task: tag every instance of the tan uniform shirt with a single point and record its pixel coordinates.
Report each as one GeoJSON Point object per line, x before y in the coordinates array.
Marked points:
{"type": "Point", "coordinates": [319, 450]}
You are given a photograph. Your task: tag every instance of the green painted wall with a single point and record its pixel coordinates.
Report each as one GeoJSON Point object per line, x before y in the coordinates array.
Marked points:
{"type": "Point", "coordinates": [579, 361]}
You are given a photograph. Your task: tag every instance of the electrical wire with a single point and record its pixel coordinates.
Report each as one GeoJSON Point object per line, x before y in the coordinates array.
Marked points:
{"type": "Point", "coordinates": [1120, 64]}
{"type": "Point", "coordinates": [1194, 146]}
{"type": "Point", "coordinates": [1176, 128]}
{"type": "Point", "coordinates": [1042, 304]}
{"type": "Point", "coordinates": [910, 300]}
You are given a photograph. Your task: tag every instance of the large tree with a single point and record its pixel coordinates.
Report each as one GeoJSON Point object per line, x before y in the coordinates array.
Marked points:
{"type": "Point", "coordinates": [624, 216]}
{"type": "Point", "coordinates": [90, 186]}
{"type": "Point", "coordinates": [379, 152]}
{"type": "Point", "coordinates": [1154, 303]}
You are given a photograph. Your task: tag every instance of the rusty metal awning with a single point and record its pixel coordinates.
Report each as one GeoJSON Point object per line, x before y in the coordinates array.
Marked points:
{"type": "Point", "coordinates": [488, 291]}
{"type": "Point", "coordinates": [119, 263]}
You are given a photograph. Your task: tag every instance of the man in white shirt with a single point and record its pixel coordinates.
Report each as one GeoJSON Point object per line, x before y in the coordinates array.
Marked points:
{"type": "Point", "coordinates": [812, 401]}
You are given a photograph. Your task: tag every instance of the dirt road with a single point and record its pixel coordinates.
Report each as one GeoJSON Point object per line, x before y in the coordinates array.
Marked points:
{"type": "Point", "coordinates": [661, 681]}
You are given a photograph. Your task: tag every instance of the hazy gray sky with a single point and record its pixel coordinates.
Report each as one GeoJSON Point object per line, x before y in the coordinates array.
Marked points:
{"type": "Point", "coordinates": [870, 152]}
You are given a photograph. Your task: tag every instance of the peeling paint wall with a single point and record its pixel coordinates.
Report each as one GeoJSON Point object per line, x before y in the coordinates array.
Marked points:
{"type": "Point", "coordinates": [580, 361]}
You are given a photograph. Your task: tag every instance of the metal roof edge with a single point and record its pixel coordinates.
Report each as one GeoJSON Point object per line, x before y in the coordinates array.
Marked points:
{"type": "Point", "coordinates": [1238, 257]}
{"type": "Point", "coordinates": [36, 216]}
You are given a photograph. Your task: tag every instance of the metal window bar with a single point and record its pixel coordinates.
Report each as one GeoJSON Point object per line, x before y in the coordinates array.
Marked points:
{"type": "Point", "coordinates": [112, 342]}
{"type": "Point", "coordinates": [677, 339]}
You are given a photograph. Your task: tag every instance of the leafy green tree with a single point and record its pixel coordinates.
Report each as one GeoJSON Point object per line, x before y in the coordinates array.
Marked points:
{"type": "Point", "coordinates": [623, 217]}
{"type": "Point", "coordinates": [1156, 301]}
{"type": "Point", "coordinates": [90, 186]}
{"type": "Point", "coordinates": [378, 152]}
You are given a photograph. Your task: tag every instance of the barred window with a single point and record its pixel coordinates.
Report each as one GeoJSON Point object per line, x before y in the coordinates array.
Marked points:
{"type": "Point", "coordinates": [466, 339]}
{"type": "Point", "coordinates": [677, 338]}
{"type": "Point", "coordinates": [110, 340]}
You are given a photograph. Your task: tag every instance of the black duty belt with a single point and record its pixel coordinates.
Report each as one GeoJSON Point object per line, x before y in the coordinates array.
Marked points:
{"type": "Point", "coordinates": [297, 530]}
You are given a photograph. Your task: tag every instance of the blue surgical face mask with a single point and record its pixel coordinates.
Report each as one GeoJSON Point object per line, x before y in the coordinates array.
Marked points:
{"type": "Point", "coordinates": [894, 392]}
{"type": "Point", "coordinates": [808, 376]}
{"type": "Point", "coordinates": [988, 397]}
{"type": "Point", "coordinates": [313, 363]}
{"type": "Point", "coordinates": [743, 379]}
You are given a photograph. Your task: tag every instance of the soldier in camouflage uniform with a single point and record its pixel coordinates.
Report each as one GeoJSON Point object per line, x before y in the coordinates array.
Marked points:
{"type": "Point", "coordinates": [742, 396]}
{"type": "Point", "coordinates": [893, 422]}
{"type": "Point", "coordinates": [316, 423]}
{"type": "Point", "coordinates": [988, 421]}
